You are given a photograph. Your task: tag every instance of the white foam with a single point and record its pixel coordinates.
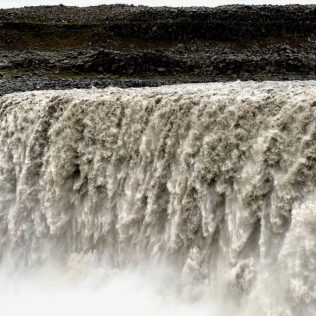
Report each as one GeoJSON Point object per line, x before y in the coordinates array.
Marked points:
{"type": "Point", "coordinates": [217, 181]}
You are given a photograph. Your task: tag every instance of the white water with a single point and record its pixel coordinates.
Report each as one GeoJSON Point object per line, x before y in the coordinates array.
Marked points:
{"type": "Point", "coordinates": [146, 290]}
{"type": "Point", "coordinates": [214, 181]}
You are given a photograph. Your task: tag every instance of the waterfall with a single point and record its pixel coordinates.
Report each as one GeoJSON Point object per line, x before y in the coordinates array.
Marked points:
{"type": "Point", "coordinates": [216, 180]}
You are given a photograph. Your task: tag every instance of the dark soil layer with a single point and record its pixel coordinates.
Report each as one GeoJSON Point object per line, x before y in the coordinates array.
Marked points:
{"type": "Point", "coordinates": [63, 47]}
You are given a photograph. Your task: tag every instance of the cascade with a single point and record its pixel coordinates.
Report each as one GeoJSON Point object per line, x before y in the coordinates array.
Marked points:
{"type": "Point", "coordinates": [216, 180]}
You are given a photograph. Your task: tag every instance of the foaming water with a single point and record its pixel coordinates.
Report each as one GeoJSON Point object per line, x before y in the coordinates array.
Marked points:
{"type": "Point", "coordinates": [216, 182]}
{"type": "Point", "coordinates": [144, 290]}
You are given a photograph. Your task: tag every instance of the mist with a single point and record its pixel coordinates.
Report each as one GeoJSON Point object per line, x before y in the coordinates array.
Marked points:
{"type": "Point", "coordinates": [175, 200]}
{"type": "Point", "coordinates": [146, 289]}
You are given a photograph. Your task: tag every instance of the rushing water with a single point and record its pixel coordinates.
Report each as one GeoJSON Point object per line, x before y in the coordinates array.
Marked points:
{"type": "Point", "coordinates": [180, 200]}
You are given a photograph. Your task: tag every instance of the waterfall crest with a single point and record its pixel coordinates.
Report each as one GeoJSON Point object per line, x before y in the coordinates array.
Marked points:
{"type": "Point", "coordinates": [218, 179]}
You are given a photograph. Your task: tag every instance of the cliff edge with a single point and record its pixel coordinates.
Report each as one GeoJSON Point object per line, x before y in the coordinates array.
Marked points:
{"type": "Point", "coordinates": [136, 45]}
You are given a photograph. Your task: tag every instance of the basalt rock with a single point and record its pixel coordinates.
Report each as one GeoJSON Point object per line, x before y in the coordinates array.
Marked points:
{"type": "Point", "coordinates": [120, 42]}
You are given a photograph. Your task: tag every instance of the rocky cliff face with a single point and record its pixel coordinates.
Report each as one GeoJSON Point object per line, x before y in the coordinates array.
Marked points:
{"type": "Point", "coordinates": [221, 23]}
{"type": "Point", "coordinates": [161, 44]}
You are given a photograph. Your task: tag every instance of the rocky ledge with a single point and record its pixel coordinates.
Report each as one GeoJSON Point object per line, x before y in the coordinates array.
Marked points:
{"type": "Point", "coordinates": [60, 47]}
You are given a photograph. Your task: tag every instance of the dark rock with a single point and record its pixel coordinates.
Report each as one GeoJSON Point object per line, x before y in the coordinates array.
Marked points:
{"type": "Point", "coordinates": [68, 47]}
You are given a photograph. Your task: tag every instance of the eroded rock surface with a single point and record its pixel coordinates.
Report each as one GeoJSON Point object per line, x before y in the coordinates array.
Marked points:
{"type": "Point", "coordinates": [158, 45]}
